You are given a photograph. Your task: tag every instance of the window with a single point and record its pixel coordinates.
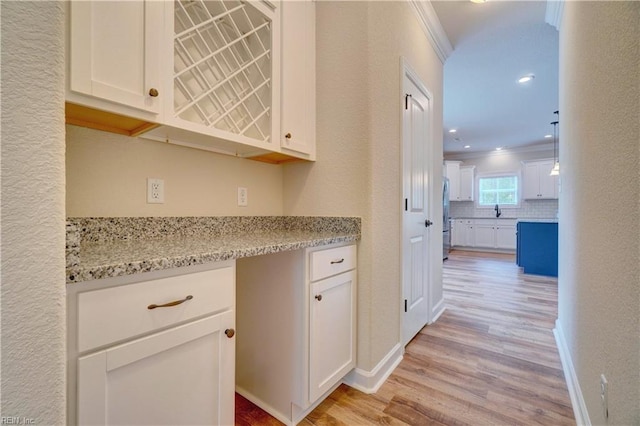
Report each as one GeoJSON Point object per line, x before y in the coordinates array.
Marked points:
{"type": "Point", "coordinates": [501, 190]}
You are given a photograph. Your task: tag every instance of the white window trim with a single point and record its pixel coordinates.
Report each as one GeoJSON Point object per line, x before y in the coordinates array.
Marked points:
{"type": "Point", "coordinates": [515, 173]}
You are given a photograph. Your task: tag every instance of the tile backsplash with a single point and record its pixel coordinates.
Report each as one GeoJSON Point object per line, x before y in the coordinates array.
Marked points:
{"type": "Point", "coordinates": [547, 209]}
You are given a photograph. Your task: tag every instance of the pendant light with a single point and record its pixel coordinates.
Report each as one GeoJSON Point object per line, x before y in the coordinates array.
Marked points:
{"type": "Point", "coordinates": [556, 161]}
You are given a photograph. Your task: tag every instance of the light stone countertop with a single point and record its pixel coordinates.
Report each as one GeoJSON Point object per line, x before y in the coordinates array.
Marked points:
{"type": "Point", "coordinates": [96, 248]}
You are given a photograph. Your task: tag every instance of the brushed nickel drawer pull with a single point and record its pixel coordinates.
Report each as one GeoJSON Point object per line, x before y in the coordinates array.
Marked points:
{"type": "Point", "coordinates": [337, 261]}
{"type": "Point", "coordinates": [174, 303]}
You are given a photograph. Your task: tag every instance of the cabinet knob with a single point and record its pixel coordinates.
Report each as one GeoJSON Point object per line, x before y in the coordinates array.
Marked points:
{"type": "Point", "coordinates": [153, 92]}
{"type": "Point", "coordinates": [230, 332]}
{"type": "Point", "coordinates": [318, 297]}
{"type": "Point", "coordinates": [288, 136]}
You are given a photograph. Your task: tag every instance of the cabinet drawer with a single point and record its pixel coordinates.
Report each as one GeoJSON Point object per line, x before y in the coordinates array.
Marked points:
{"type": "Point", "coordinates": [325, 263]}
{"type": "Point", "coordinates": [112, 314]}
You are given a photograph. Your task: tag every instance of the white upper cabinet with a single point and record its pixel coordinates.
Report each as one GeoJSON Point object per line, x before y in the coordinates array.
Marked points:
{"type": "Point", "coordinates": [461, 181]}
{"type": "Point", "coordinates": [452, 171]}
{"type": "Point", "coordinates": [466, 183]}
{"type": "Point", "coordinates": [114, 56]}
{"type": "Point", "coordinates": [223, 66]}
{"type": "Point", "coordinates": [537, 184]}
{"type": "Point", "coordinates": [199, 73]}
{"type": "Point", "coordinates": [298, 77]}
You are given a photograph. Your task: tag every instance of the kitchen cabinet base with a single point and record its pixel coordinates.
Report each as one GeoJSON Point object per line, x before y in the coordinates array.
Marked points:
{"type": "Point", "coordinates": [537, 251]}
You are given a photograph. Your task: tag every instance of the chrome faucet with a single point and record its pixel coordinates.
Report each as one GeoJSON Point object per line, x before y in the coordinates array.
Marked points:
{"type": "Point", "coordinates": [498, 212]}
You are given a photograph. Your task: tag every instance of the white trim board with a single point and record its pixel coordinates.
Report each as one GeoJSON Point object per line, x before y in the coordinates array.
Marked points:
{"type": "Point", "coordinates": [432, 28]}
{"type": "Point", "coordinates": [437, 311]}
{"type": "Point", "coordinates": [553, 14]}
{"type": "Point", "coordinates": [577, 401]}
{"type": "Point", "coordinates": [370, 381]}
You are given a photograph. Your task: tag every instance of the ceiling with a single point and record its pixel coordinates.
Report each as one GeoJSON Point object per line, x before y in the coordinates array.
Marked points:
{"type": "Point", "coordinates": [495, 43]}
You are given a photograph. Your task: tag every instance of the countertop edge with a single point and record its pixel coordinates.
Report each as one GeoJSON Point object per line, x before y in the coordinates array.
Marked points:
{"type": "Point", "coordinates": [77, 274]}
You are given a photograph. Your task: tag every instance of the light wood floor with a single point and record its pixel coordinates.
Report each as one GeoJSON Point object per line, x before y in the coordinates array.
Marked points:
{"type": "Point", "coordinates": [490, 359]}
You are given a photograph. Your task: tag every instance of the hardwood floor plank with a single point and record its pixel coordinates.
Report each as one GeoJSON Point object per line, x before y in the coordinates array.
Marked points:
{"type": "Point", "coordinates": [490, 359]}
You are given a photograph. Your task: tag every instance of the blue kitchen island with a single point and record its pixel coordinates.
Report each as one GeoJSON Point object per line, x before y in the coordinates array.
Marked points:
{"type": "Point", "coordinates": [537, 247]}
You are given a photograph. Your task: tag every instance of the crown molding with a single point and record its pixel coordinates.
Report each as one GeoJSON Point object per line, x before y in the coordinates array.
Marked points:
{"type": "Point", "coordinates": [553, 15]}
{"type": "Point", "coordinates": [507, 151]}
{"type": "Point", "coordinates": [432, 28]}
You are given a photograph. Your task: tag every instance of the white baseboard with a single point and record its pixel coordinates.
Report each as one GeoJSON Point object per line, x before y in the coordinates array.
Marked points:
{"type": "Point", "coordinates": [437, 311]}
{"type": "Point", "coordinates": [370, 381]}
{"type": "Point", "coordinates": [577, 401]}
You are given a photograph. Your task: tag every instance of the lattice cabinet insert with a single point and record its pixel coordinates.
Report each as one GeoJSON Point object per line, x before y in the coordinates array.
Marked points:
{"type": "Point", "coordinates": [223, 67]}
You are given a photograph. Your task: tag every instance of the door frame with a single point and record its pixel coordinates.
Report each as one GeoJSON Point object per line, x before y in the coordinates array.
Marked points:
{"type": "Point", "coordinates": [406, 71]}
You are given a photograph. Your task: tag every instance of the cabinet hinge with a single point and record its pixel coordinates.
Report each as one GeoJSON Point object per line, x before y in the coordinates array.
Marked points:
{"type": "Point", "coordinates": [405, 305]}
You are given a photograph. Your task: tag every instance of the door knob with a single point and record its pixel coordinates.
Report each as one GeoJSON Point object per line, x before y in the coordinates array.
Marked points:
{"type": "Point", "coordinates": [428, 223]}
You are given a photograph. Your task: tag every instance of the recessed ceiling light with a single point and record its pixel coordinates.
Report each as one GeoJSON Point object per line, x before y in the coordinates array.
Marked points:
{"type": "Point", "coordinates": [453, 130]}
{"type": "Point", "coordinates": [478, 1]}
{"type": "Point", "coordinates": [467, 146]}
{"type": "Point", "coordinates": [526, 78]}
{"type": "Point", "coordinates": [548, 136]}
{"type": "Point", "coordinates": [499, 148]}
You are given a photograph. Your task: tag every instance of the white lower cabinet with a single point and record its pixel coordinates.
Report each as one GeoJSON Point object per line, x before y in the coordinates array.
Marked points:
{"type": "Point", "coordinates": [331, 334]}
{"type": "Point", "coordinates": [506, 235]}
{"type": "Point", "coordinates": [463, 234]}
{"type": "Point", "coordinates": [296, 328]}
{"type": "Point", "coordinates": [485, 230]}
{"type": "Point", "coordinates": [485, 233]}
{"type": "Point", "coordinates": [179, 372]}
{"type": "Point", "coordinates": [179, 376]}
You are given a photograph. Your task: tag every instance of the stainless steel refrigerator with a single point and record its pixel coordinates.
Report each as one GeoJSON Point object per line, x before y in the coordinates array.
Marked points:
{"type": "Point", "coordinates": [446, 224]}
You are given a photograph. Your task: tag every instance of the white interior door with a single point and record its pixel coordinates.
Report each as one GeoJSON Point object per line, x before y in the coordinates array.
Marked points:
{"type": "Point", "coordinates": [416, 139]}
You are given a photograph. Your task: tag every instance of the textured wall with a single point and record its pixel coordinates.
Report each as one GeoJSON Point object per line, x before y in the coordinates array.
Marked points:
{"type": "Point", "coordinates": [394, 31]}
{"type": "Point", "coordinates": [338, 183]}
{"type": "Point", "coordinates": [359, 45]}
{"type": "Point", "coordinates": [107, 176]}
{"type": "Point", "coordinates": [33, 226]}
{"type": "Point", "coordinates": [599, 261]}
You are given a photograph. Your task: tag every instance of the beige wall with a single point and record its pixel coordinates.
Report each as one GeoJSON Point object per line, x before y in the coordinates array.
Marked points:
{"type": "Point", "coordinates": [599, 256]}
{"type": "Point", "coordinates": [359, 45]}
{"type": "Point", "coordinates": [107, 176]}
{"type": "Point", "coordinates": [33, 218]}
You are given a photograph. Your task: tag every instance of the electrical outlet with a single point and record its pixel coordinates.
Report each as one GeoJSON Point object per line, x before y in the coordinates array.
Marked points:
{"type": "Point", "coordinates": [243, 197]}
{"type": "Point", "coordinates": [155, 191]}
{"type": "Point", "coordinates": [604, 396]}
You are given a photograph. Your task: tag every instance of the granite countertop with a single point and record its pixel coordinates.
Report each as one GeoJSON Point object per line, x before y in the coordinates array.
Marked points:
{"type": "Point", "coordinates": [109, 247]}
